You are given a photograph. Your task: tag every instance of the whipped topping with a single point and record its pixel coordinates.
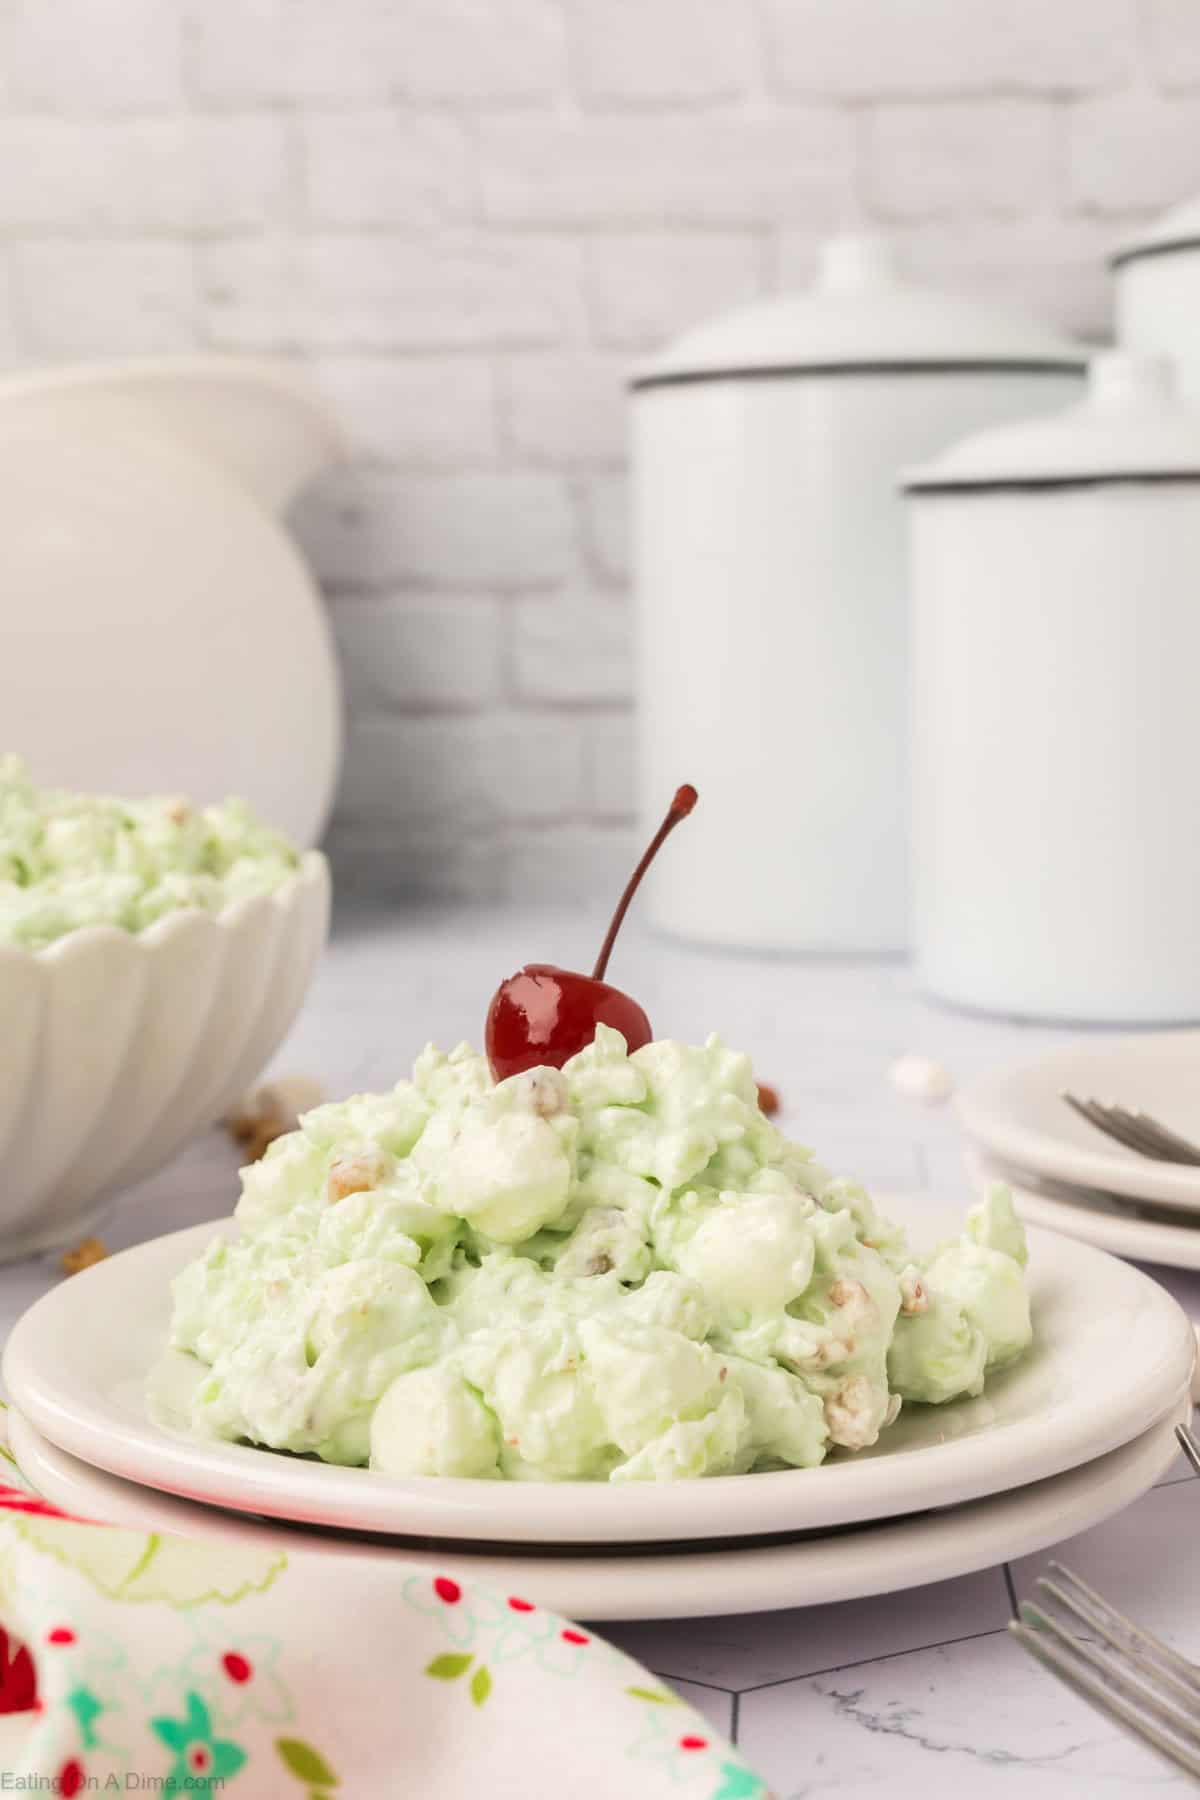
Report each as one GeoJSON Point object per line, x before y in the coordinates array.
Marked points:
{"type": "Point", "coordinates": [617, 1271]}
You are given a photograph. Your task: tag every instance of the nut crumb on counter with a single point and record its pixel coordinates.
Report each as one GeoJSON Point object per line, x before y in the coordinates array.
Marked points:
{"type": "Point", "coordinates": [270, 1112]}
{"type": "Point", "coordinates": [83, 1255]}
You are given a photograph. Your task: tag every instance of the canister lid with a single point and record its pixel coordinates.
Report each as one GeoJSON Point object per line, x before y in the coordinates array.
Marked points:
{"type": "Point", "coordinates": [861, 317]}
{"type": "Point", "coordinates": [1130, 426]}
{"type": "Point", "coordinates": [1177, 229]}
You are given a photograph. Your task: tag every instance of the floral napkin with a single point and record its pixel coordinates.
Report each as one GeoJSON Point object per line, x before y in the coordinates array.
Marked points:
{"type": "Point", "coordinates": [133, 1661]}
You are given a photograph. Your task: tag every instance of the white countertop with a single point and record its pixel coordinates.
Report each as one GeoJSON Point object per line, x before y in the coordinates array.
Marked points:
{"type": "Point", "coordinates": [923, 1691]}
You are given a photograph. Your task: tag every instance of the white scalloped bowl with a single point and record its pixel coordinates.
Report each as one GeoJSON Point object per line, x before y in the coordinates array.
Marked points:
{"type": "Point", "coordinates": [116, 1047]}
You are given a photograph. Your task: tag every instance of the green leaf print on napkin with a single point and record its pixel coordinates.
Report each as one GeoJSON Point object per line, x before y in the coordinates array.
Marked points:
{"type": "Point", "coordinates": [306, 1763]}
{"type": "Point", "coordinates": [448, 1667]}
{"type": "Point", "coordinates": [453, 1663]}
{"type": "Point", "coordinates": [137, 1566]}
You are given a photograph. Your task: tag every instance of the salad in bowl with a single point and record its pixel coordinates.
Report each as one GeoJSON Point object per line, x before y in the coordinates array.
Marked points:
{"type": "Point", "coordinates": [153, 954]}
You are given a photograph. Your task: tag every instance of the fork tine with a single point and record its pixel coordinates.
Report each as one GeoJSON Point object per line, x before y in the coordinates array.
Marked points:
{"type": "Point", "coordinates": [1132, 1679]}
{"type": "Point", "coordinates": [1185, 1150]}
{"type": "Point", "coordinates": [1083, 1108]}
{"type": "Point", "coordinates": [1189, 1445]}
{"type": "Point", "coordinates": [1115, 1123]}
{"type": "Point", "coordinates": [1099, 1693]}
{"type": "Point", "coordinates": [1139, 1131]}
{"type": "Point", "coordinates": [1124, 1636]}
{"type": "Point", "coordinates": [1099, 1117]}
{"type": "Point", "coordinates": [1145, 1133]}
{"type": "Point", "coordinates": [1182, 1664]}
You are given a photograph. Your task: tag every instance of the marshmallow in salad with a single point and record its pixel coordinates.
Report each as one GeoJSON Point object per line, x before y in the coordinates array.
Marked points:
{"type": "Point", "coordinates": [618, 1271]}
{"type": "Point", "coordinates": [69, 860]}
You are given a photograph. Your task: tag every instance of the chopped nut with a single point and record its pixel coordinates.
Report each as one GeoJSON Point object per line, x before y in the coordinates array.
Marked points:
{"type": "Point", "coordinates": [598, 1265]}
{"type": "Point", "coordinates": [809, 1347]}
{"type": "Point", "coordinates": [848, 1414]}
{"type": "Point", "coordinates": [270, 1112]}
{"type": "Point", "coordinates": [91, 1250]}
{"type": "Point", "coordinates": [241, 1126]}
{"type": "Point", "coordinates": [355, 1175]}
{"type": "Point", "coordinates": [259, 1139]}
{"type": "Point", "coordinates": [768, 1100]}
{"type": "Point", "coordinates": [854, 1302]}
{"type": "Point", "coordinates": [914, 1295]}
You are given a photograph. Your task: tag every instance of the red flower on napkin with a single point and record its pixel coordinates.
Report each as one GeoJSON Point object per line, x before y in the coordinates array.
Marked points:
{"type": "Point", "coordinates": [18, 1678]}
{"type": "Point", "coordinates": [21, 1500]}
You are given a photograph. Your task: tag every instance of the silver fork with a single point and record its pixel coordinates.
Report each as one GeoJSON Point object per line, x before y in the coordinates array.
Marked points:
{"type": "Point", "coordinates": [1129, 1674]}
{"type": "Point", "coordinates": [1137, 1131]}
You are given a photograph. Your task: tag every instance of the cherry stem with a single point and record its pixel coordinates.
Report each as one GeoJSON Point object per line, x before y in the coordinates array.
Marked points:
{"type": "Point", "coordinates": [680, 807]}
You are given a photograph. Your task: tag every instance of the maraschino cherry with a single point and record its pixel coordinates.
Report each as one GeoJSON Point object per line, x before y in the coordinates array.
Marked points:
{"type": "Point", "coordinates": [543, 1016]}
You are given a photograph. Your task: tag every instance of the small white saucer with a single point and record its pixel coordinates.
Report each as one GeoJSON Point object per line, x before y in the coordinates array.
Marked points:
{"type": "Point", "coordinates": [1018, 1115]}
{"type": "Point", "coordinates": [1113, 1353]}
{"type": "Point", "coordinates": [815, 1571]}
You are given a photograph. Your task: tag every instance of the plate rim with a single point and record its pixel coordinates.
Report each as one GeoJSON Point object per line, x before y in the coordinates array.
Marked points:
{"type": "Point", "coordinates": [977, 1111]}
{"type": "Point", "coordinates": [756, 1580]}
{"type": "Point", "coordinates": [248, 1479]}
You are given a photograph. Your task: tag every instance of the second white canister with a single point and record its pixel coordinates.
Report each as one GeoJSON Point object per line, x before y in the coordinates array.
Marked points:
{"type": "Point", "coordinates": [772, 635]}
{"type": "Point", "coordinates": [1056, 729]}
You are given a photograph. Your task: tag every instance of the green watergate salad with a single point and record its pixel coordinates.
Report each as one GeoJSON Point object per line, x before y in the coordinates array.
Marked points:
{"type": "Point", "coordinates": [620, 1270]}
{"type": "Point", "coordinates": [68, 860]}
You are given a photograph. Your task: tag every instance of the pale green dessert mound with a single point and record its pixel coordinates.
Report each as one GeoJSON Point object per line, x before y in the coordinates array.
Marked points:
{"type": "Point", "coordinates": [69, 860]}
{"type": "Point", "coordinates": [621, 1271]}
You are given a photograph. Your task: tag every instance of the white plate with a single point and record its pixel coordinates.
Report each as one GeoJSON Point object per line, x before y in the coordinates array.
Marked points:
{"type": "Point", "coordinates": [1113, 1354]}
{"type": "Point", "coordinates": [1018, 1113]}
{"type": "Point", "coordinates": [1092, 1218]}
{"type": "Point", "coordinates": [871, 1559]}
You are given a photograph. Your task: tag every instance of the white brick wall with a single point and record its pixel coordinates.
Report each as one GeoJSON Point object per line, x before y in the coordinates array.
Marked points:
{"type": "Point", "coordinates": [466, 219]}
{"type": "Point", "coordinates": [997, 158]}
{"type": "Point", "coordinates": [935, 49]}
{"type": "Point", "coordinates": [647, 51]}
{"type": "Point", "coordinates": [673, 167]}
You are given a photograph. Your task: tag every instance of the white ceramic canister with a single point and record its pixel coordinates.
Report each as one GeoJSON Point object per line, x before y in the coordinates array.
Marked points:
{"type": "Point", "coordinates": [1056, 729]}
{"type": "Point", "coordinates": [770, 579]}
{"type": "Point", "coordinates": [1157, 279]}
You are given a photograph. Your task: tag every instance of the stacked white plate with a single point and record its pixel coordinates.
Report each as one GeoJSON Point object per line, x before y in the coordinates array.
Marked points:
{"type": "Point", "coordinates": [1073, 1432]}
{"type": "Point", "coordinates": [1068, 1176]}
